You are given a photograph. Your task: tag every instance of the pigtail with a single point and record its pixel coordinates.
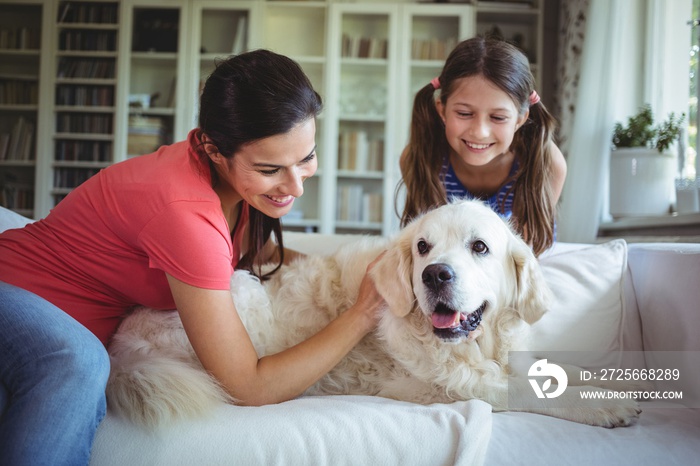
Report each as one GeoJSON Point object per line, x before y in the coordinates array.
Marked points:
{"type": "Point", "coordinates": [535, 207]}
{"type": "Point", "coordinates": [421, 163]}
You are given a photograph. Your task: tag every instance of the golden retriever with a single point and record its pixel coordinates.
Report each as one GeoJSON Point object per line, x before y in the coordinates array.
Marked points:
{"type": "Point", "coordinates": [461, 290]}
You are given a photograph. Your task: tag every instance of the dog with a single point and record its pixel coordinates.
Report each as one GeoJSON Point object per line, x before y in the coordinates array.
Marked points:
{"type": "Point", "coordinates": [461, 291]}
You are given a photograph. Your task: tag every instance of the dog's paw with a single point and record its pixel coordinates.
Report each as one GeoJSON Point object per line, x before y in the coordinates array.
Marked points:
{"type": "Point", "coordinates": [621, 413]}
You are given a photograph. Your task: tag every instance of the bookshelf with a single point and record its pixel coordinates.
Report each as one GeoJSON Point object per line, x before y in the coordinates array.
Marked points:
{"type": "Point", "coordinates": [21, 27]}
{"type": "Point", "coordinates": [219, 28]}
{"type": "Point", "coordinates": [154, 75]}
{"type": "Point", "coordinates": [307, 23]}
{"type": "Point", "coordinates": [518, 22]}
{"type": "Point", "coordinates": [84, 92]}
{"type": "Point", "coordinates": [366, 45]}
{"type": "Point", "coordinates": [107, 79]}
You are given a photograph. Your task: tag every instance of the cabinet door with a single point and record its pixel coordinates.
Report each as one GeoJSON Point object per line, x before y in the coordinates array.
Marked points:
{"type": "Point", "coordinates": [298, 30]}
{"type": "Point", "coordinates": [428, 35]}
{"type": "Point", "coordinates": [519, 23]}
{"type": "Point", "coordinates": [85, 92]}
{"type": "Point", "coordinates": [362, 117]}
{"type": "Point", "coordinates": [219, 29]}
{"type": "Point", "coordinates": [154, 74]}
{"type": "Point", "coordinates": [20, 73]}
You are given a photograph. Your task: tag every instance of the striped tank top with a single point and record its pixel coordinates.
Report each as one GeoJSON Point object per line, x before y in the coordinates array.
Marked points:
{"type": "Point", "coordinates": [456, 190]}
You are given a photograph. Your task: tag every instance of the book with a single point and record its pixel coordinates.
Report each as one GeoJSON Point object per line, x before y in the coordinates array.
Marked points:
{"type": "Point", "coordinates": [239, 40]}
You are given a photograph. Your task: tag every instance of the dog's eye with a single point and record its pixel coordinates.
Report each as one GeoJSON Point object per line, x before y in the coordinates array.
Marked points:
{"type": "Point", "coordinates": [480, 247]}
{"type": "Point", "coordinates": [423, 247]}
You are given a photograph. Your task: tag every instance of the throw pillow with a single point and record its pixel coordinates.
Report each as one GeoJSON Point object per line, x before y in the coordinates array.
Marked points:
{"type": "Point", "coordinates": [587, 312]}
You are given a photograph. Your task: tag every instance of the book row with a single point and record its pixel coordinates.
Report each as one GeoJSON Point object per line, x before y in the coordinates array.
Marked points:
{"type": "Point", "coordinates": [18, 92]}
{"type": "Point", "coordinates": [23, 38]}
{"type": "Point", "coordinates": [356, 205]}
{"type": "Point", "coordinates": [99, 68]}
{"type": "Point", "coordinates": [363, 47]}
{"type": "Point", "coordinates": [72, 177]}
{"type": "Point", "coordinates": [83, 151]}
{"type": "Point", "coordinates": [105, 13]}
{"type": "Point", "coordinates": [358, 152]}
{"type": "Point", "coordinates": [99, 41]}
{"type": "Point", "coordinates": [17, 197]}
{"type": "Point", "coordinates": [432, 49]}
{"type": "Point", "coordinates": [18, 144]}
{"type": "Point", "coordinates": [83, 123]}
{"type": "Point", "coordinates": [90, 96]}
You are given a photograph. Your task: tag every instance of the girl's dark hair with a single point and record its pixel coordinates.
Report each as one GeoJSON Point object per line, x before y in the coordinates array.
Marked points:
{"type": "Point", "coordinates": [508, 68]}
{"type": "Point", "coordinates": [249, 97]}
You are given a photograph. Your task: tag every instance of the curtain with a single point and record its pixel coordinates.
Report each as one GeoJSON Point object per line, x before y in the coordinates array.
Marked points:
{"type": "Point", "coordinates": [600, 81]}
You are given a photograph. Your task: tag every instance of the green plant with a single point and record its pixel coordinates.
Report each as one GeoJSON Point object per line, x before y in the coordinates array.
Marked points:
{"type": "Point", "coordinates": [641, 132]}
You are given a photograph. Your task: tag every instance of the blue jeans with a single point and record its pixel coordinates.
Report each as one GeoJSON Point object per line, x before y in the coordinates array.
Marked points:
{"type": "Point", "coordinates": [53, 373]}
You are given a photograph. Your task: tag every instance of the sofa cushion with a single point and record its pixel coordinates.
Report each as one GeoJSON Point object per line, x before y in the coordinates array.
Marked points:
{"type": "Point", "coordinates": [324, 430]}
{"type": "Point", "coordinates": [10, 219]}
{"type": "Point", "coordinates": [587, 312]}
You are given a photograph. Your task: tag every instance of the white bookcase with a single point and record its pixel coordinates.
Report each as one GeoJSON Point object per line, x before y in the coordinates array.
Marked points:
{"type": "Point", "coordinates": [519, 22]}
{"type": "Point", "coordinates": [365, 58]}
{"type": "Point", "coordinates": [299, 29]}
{"type": "Point", "coordinates": [153, 75]}
{"type": "Point", "coordinates": [218, 28]}
{"type": "Point", "coordinates": [23, 43]}
{"type": "Point", "coordinates": [83, 99]}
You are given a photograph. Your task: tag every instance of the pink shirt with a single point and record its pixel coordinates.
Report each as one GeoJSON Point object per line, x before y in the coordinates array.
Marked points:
{"type": "Point", "coordinates": [107, 246]}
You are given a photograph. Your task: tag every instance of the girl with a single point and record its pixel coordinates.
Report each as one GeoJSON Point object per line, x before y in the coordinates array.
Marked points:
{"type": "Point", "coordinates": [164, 230]}
{"type": "Point", "coordinates": [487, 136]}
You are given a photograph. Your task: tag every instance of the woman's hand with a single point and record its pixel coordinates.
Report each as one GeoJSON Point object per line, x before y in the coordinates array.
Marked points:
{"type": "Point", "coordinates": [369, 301]}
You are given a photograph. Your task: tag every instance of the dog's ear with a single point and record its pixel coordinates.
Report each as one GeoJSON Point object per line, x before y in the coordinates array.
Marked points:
{"type": "Point", "coordinates": [392, 276]}
{"type": "Point", "coordinates": [532, 295]}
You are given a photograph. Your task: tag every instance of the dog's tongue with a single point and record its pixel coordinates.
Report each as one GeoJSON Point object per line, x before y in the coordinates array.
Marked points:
{"type": "Point", "coordinates": [445, 320]}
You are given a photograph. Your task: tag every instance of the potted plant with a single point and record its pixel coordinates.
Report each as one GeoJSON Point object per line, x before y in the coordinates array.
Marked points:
{"type": "Point", "coordinates": [642, 168]}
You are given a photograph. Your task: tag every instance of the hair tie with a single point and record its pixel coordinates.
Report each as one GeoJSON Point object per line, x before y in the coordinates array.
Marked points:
{"type": "Point", "coordinates": [534, 98]}
{"type": "Point", "coordinates": [435, 82]}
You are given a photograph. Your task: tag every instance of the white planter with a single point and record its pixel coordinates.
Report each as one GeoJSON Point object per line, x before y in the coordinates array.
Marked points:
{"type": "Point", "coordinates": [641, 182]}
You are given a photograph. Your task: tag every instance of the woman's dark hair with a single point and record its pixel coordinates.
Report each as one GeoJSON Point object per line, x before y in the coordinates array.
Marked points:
{"type": "Point", "coordinates": [508, 68]}
{"type": "Point", "coordinates": [249, 97]}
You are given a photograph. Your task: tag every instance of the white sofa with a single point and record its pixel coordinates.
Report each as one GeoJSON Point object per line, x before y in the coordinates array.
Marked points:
{"type": "Point", "coordinates": [610, 297]}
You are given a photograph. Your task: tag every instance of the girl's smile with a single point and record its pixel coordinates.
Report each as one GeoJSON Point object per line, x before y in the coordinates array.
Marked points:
{"type": "Point", "coordinates": [480, 120]}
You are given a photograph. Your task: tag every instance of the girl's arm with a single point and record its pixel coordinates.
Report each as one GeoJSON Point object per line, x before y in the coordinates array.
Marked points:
{"type": "Point", "coordinates": [225, 350]}
{"type": "Point", "coordinates": [558, 174]}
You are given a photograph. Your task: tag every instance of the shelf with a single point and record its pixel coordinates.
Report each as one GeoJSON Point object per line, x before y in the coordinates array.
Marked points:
{"type": "Point", "coordinates": [662, 221]}
{"type": "Point", "coordinates": [19, 107]}
{"type": "Point", "coordinates": [80, 164]}
{"type": "Point", "coordinates": [360, 175]}
{"type": "Point", "coordinates": [18, 163]}
{"type": "Point", "coordinates": [87, 53]}
{"type": "Point", "coordinates": [87, 26]}
{"type": "Point", "coordinates": [85, 136]}
{"type": "Point", "coordinates": [147, 57]}
{"type": "Point", "coordinates": [20, 52]}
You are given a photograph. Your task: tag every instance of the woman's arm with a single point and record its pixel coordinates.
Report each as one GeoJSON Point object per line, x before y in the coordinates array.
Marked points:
{"type": "Point", "coordinates": [225, 350]}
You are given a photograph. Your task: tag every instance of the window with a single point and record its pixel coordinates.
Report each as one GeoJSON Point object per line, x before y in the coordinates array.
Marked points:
{"type": "Point", "coordinates": [690, 164]}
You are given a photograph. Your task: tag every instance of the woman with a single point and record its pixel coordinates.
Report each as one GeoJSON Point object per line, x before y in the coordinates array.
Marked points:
{"type": "Point", "coordinates": [164, 230]}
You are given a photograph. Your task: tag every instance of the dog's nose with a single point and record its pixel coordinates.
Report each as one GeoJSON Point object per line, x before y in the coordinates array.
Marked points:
{"type": "Point", "coordinates": [435, 276]}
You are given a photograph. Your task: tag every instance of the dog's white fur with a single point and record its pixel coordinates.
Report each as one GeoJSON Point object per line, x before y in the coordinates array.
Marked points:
{"type": "Point", "coordinates": [472, 253]}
